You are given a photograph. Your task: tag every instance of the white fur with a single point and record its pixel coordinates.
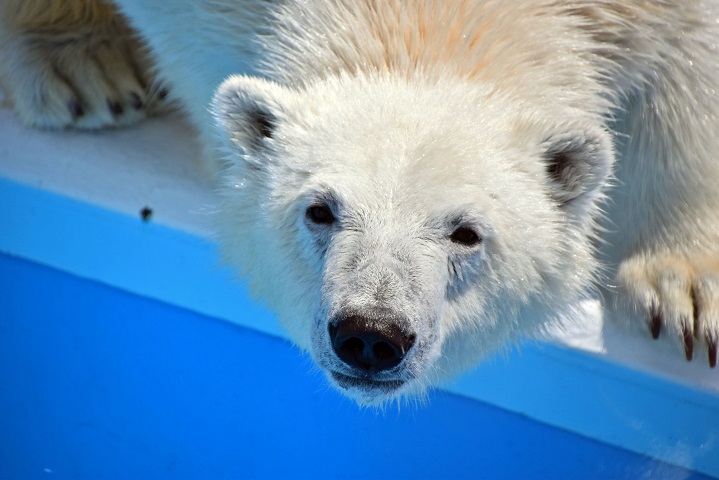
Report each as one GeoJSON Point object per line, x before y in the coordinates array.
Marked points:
{"type": "Point", "coordinates": [409, 115]}
{"type": "Point", "coordinates": [416, 176]}
{"type": "Point", "coordinates": [407, 118]}
{"type": "Point", "coordinates": [88, 76]}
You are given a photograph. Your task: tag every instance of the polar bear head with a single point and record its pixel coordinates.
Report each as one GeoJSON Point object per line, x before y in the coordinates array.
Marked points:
{"type": "Point", "coordinates": [402, 230]}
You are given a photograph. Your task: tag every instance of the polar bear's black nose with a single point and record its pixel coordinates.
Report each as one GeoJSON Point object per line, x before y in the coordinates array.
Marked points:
{"type": "Point", "coordinates": [369, 344]}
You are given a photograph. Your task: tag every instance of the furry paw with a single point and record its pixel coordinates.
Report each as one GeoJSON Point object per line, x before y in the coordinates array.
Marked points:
{"type": "Point", "coordinates": [87, 78]}
{"type": "Point", "coordinates": [678, 294]}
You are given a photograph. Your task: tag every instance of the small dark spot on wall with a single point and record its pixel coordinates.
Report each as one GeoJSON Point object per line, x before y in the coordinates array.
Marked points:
{"type": "Point", "coordinates": [146, 214]}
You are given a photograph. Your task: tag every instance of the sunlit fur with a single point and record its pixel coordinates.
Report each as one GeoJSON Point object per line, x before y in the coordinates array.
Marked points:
{"type": "Point", "coordinates": [74, 64]}
{"type": "Point", "coordinates": [411, 116]}
{"type": "Point", "coordinates": [448, 105]}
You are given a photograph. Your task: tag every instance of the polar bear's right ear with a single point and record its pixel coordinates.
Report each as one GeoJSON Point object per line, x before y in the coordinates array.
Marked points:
{"type": "Point", "coordinates": [248, 110]}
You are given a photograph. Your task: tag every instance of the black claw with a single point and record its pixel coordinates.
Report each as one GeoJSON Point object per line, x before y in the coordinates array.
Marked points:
{"type": "Point", "coordinates": [655, 323]}
{"type": "Point", "coordinates": [115, 107]}
{"type": "Point", "coordinates": [712, 343]}
{"type": "Point", "coordinates": [688, 342]}
{"type": "Point", "coordinates": [76, 109]}
{"type": "Point", "coordinates": [135, 101]}
{"type": "Point", "coordinates": [162, 94]}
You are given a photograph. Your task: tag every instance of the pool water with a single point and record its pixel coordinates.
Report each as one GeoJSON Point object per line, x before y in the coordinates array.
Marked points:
{"type": "Point", "coordinates": [98, 383]}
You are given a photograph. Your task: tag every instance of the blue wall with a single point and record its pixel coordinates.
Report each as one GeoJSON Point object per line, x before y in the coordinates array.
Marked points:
{"type": "Point", "coordinates": [99, 383]}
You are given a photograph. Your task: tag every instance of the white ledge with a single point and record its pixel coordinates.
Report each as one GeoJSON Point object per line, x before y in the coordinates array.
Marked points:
{"type": "Point", "coordinates": [72, 201]}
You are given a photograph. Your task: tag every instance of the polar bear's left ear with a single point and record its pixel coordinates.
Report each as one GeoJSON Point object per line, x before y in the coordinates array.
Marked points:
{"type": "Point", "coordinates": [248, 110]}
{"type": "Point", "coordinates": [578, 165]}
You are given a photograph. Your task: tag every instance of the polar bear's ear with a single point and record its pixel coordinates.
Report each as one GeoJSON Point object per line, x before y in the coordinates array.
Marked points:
{"type": "Point", "coordinates": [578, 165]}
{"type": "Point", "coordinates": [248, 110]}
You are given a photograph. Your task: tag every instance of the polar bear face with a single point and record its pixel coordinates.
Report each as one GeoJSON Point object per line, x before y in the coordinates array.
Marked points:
{"type": "Point", "coordinates": [402, 231]}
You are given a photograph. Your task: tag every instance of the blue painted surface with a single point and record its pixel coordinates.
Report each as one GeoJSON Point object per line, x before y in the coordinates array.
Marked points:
{"type": "Point", "coordinates": [604, 400]}
{"type": "Point", "coordinates": [98, 383]}
{"type": "Point", "coordinates": [141, 257]}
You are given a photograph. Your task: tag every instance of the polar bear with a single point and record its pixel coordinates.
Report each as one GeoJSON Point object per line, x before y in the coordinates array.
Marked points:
{"type": "Point", "coordinates": [411, 185]}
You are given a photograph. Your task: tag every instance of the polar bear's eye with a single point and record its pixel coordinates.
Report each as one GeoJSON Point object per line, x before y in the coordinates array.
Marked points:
{"type": "Point", "coordinates": [465, 236]}
{"type": "Point", "coordinates": [320, 214]}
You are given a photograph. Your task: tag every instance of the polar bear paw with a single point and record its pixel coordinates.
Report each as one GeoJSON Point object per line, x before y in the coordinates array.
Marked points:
{"type": "Point", "coordinates": [678, 294]}
{"type": "Point", "coordinates": [79, 79]}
